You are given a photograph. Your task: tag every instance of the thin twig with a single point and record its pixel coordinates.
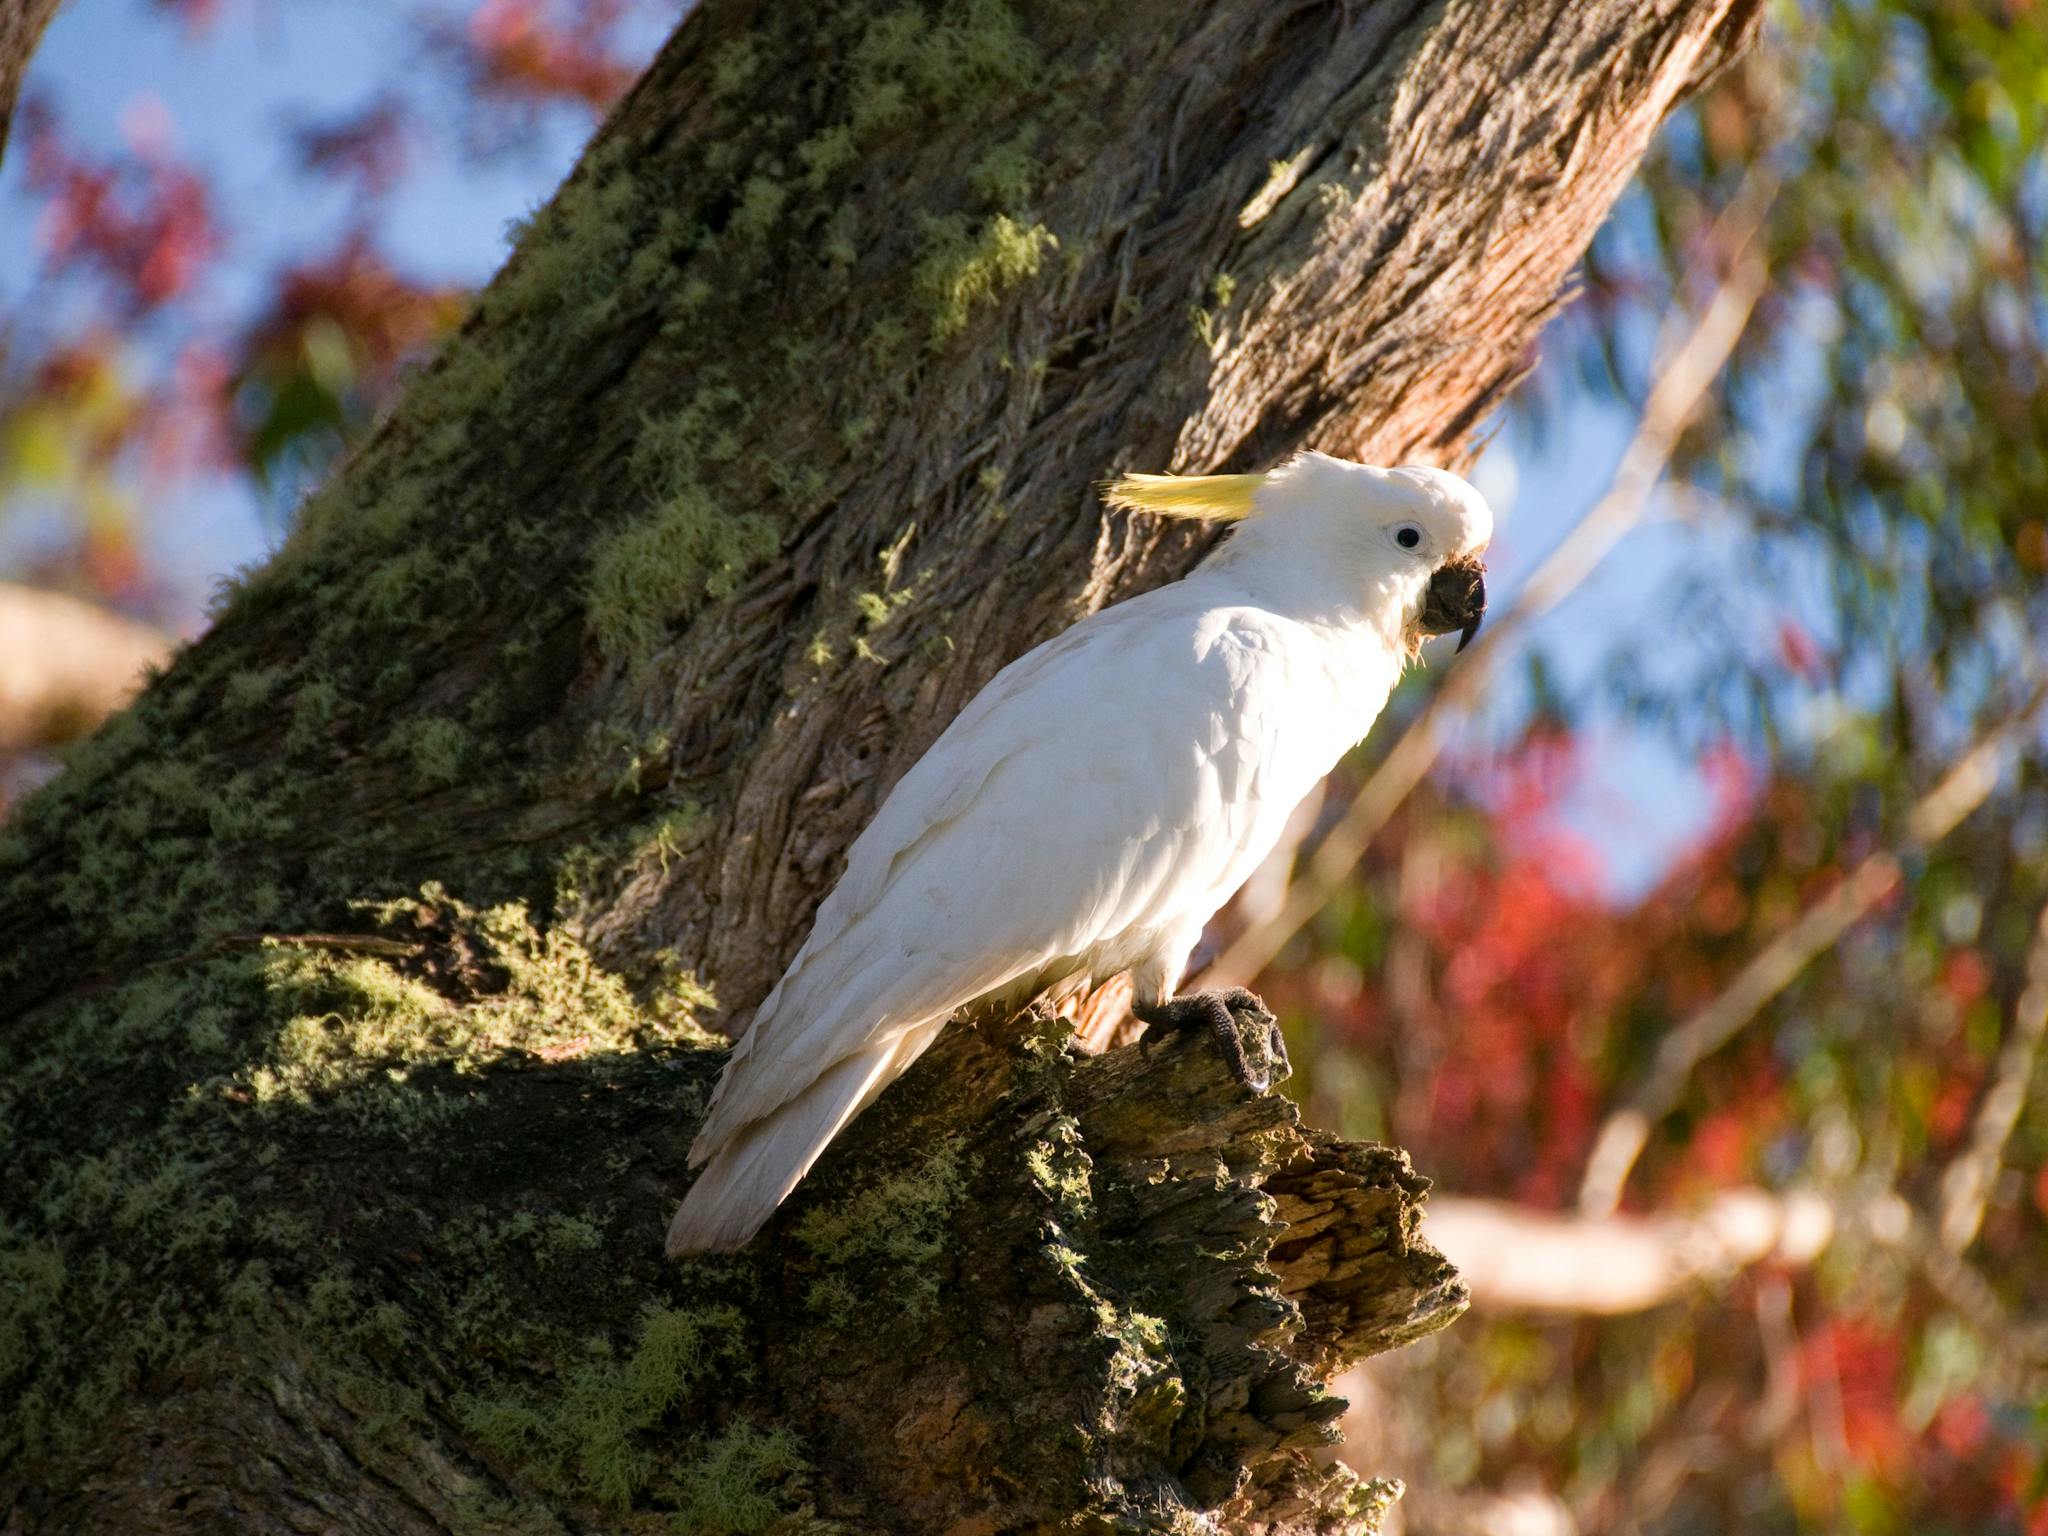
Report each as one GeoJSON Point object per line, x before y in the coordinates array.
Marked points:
{"type": "Point", "coordinates": [1674, 400]}
{"type": "Point", "coordinates": [348, 943]}
{"type": "Point", "coordinates": [2019, 1363]}
{"type": "Point", "coordinates": [1966, 1182]}
{"type": "Point", "coordinates": [1775, 966]}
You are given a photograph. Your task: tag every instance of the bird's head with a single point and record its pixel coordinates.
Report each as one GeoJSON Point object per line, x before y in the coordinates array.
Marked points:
{"type": "Point", "coordinates": [1413, 536]}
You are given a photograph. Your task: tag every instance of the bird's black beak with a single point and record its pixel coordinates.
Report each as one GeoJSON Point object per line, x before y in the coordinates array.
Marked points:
{"type": "Point", "coordinates": [1455, 600]}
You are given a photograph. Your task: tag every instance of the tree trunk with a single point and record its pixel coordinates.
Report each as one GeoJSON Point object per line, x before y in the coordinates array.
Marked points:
{"type": "Point", "coordinates": [21, 28]}
{"type": "Point", "coordinates": [355, 979]}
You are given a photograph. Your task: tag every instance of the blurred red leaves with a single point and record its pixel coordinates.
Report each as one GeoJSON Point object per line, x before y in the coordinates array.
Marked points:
{"type": "Point", "coordinates": [133, 371]}
{"type": "Point", "coordinates": [525, 52]}
{"type": "Point", "coordinates": [1513, 1003]}
{"type": "Point", "coordinates": [385, 316]}
{"type": "Point", "coordinates": [195, 14]}
{"type": "Point", "coordinates": [329, 350]}
{"type": "Point", "coordinates": [130, 238]}
{"type": "Point", "coordinates": [1531, 968]}
{"type": "Point", "coordinates": [1851, 1365]}
{"type": "Point", "coordinates": [1965, 976]}
{"type": "Point", "coordinates": [369, 149]}
{"type": "Point", "coordinates": [1798, 652]}
{"type": "Point", "coordinates": [143, 224]}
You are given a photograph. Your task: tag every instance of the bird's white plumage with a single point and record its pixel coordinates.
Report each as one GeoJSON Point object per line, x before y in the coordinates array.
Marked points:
{"type": "Point", "coordinates": [1086, 813]}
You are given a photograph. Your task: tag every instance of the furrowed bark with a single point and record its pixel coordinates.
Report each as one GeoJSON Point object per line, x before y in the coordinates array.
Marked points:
{"type": "Point", "coordinates": [21, 28]}
{"type": "Point", "coordinates": [354, 981]}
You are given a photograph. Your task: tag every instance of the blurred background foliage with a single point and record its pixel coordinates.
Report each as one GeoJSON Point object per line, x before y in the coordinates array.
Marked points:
{"type": "Point", "coordinates": [1873, 466]}
{"type": "Point", "coordinates": [1838, 601]}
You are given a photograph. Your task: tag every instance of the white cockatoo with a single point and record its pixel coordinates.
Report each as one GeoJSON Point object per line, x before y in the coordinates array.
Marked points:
{"type": "Point", "coordinates": [1095, 804]}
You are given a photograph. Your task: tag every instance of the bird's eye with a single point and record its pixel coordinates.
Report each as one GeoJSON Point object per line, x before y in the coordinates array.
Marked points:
{"type": "Point", "coordinates": [1408, 535]}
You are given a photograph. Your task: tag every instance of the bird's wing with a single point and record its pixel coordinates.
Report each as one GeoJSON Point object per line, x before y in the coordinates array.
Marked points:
{"type": "Point", "coordinates": [1099, 784]}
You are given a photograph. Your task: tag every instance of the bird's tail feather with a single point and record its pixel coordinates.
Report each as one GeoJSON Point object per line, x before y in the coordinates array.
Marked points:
{"type": "Point", "coordinates": [755, 1169]}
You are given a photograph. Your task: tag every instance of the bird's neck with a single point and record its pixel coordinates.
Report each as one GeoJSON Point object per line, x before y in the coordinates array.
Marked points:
{"type": "Point", "coordinates": [1331, 595]}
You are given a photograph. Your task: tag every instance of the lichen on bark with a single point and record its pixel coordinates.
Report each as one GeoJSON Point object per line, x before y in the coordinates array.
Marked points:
{"type": "Point", "coordinates": [356, 984]}
{"type": "Point", "coordinates": [457, 1146]}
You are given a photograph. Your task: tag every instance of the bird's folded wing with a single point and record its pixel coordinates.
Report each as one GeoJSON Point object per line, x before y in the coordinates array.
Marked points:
{"type": "Point", "coordinates": [1102, 788]}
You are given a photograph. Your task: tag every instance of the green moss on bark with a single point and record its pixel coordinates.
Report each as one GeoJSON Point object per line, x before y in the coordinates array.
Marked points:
{"type": "Point", "coordinates": [897, 1229]}
{"type": "Point", "coordinates": [269, 1044]}
{"type": "Point", "coordinates": [591, 1437]}
{"type": "Point", "coordinates": [274, 1091]}
{"type": "Point", "coordinates": [663, 568]}
{"type": "Point", "coordinates": [964, 267]}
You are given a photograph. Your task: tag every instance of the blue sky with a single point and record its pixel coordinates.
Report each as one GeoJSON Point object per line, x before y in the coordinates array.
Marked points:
{"type": "Point", "coordinates": [231, 93]}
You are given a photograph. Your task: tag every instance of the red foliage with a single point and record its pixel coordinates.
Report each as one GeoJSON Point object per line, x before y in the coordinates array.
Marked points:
{"type": "Point", "coordinates": [196, 14]}
{"type": "Point", "coordinates": [1965, 976]}
{"type": "Point", "coordinates": [1515, 1087]}
{"type": "Point", "coordinates": [184, 431]}
{"type": "Point", "coordinates": [1961, 1426]}
{"type": "Point", "coordinates": [385, 316]}
{"type": "Point", "coordinates": [1977, 1472]}
{"type": "Point", "coordinates": [1537, 973]}
{"type": "Point", "coordinates": [538, 50]}
{"type": "Point", "coordinates": [143, 223]}
{"type": "Point", "coordinates": [1798, 652]}
{"type": "Point", "coordinates": [370, 148]}
{"type": "Point", "coordinates": [1949, 1115]}
{"type": "Point", "coordinates": [1529, 963]}
{"type": "Point", "coordinates": [1727, 1142]}
{"type": "Point", "coordinates": [142, 373]}
{"type": "Point", "coordinates": [1849, 1373]}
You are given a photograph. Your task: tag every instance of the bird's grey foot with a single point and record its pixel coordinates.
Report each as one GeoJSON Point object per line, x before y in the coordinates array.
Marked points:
{"type": "Point", "coordinates": [1219, 1013]}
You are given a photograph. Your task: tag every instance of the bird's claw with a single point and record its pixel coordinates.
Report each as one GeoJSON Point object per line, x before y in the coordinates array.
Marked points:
{"type": "Point", "coordinates": [1241, 1000]}
{"type": "Point", "coordinates": [1228, 1016]}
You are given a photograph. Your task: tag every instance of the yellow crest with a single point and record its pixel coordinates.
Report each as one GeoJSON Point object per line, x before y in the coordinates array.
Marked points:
{"type": "Point", "coordinates": [1215, 498]}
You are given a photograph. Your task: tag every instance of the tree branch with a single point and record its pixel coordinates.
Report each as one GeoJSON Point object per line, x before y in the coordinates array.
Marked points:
{"type": "Point", "coordinates": [65, 665]}
{"type": "Point", "coordinates": [1626, 1129]}
{"type": "Point", "coordinates": [21, 28]}
{"type": "Point", "coordinates": [1967, 1182]}
{"type": "Point", "coordinates": [1515, 1259]}
{"type": "Point", "coordinates": [770, 445]}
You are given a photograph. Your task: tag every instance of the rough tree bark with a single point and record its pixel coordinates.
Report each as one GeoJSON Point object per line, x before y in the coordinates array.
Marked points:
{"type": "Point", "coordinates": [21, 28]}
{"type": "Point", "coordinates": [355, 979]}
